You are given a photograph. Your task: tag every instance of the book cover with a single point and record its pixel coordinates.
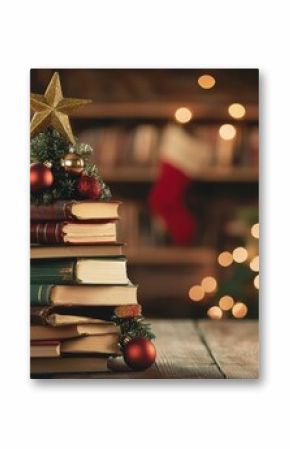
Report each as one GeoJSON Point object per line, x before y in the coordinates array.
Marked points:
{"type": "Point", "coordinates": [79, 271]}
{"type": "Point", "coordinates": [69, 365]}
{"type": "Point", "coordinates": [75, 210]}
{"type": "Point", "coordinates": [69, 251]}
{"type": "Point", "coordinates": [61, 333]}
{"type": "Point", "coordinates": [82, 295]}
{"type": "Point", "coordinates": [62, 316]}
{"type": "Point", "coordinates": [73, 233]}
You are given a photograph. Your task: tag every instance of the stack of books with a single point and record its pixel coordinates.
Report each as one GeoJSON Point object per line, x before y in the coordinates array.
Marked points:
{"type": "Point", "coordinates": [79, 285]}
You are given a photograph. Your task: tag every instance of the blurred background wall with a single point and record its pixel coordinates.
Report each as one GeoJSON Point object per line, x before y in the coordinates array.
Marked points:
{"type": "Point", "coordinates": [179, 148]}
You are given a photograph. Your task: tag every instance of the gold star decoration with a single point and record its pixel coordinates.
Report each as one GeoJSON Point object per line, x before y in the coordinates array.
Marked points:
{"type": "Point", "coordinates": [52, 109]}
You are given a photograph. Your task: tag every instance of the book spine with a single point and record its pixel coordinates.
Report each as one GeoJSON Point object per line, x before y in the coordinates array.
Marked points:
{"type": "Point", "coordinates": [52, 271]}
{"type": "Point", "coordinates": [46, 233]}
{"type": "Point", "coordinates": [40, 294]}
{"type": "Point", "coordinates": [40, 315]}
{"type": "Point", "coordinates": [59, 211]}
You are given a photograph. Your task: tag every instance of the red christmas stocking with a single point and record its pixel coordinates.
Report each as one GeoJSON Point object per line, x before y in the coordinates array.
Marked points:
{"type": "Point", "coordinates": [166, 200]}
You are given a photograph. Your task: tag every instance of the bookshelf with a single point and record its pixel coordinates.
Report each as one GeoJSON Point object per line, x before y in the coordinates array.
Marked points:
{"type": "Point", "coordinates": [213, 174]}
{"type": "Point", "coordinates": [138, 177]}
{"type": "Point", "coordinates": [171, 255]}
{"type": "Point", "coordinates": [129, 176]}
{"type": "Point", "coordinates": [161, 110]}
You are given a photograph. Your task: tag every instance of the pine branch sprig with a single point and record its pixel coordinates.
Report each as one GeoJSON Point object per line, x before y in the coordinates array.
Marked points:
{"type": "Point", "coordinates": [132, 328]}
{"type": "Point", "coordinates": [50, 146]}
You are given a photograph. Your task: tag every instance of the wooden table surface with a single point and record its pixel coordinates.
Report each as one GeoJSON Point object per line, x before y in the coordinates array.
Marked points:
{"type": "Point", "coordinates": [203, 349]}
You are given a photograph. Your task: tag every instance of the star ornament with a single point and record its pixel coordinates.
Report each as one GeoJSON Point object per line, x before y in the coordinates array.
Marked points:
{"type": "Point", "coordinates": [52, 109]}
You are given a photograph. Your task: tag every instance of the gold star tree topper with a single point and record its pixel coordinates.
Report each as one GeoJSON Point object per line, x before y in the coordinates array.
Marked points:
{"type": "Point", "coordinates": [52, 109]}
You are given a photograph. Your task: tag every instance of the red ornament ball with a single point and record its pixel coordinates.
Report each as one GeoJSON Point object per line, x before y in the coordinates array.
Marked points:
{"type": "Point", "coordinates": [41, 177]}
{"type": "Point", "coordinates": [89, 187]}
{"type": "Point", "coordinates": [139, 353]}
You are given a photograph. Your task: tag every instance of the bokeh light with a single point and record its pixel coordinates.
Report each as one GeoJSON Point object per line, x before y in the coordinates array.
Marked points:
{"type": "Point", "coordinates": [227, 131]}
{"type": "Point", "coordinates": [215, 313]}
{"type": "Point", "coordinates": [256, 282]}
{"type": "Point", "coordinates": [240, 254]}
{"type": "Point", "coordinates": [237, 110]}
{"type": "Point", "coordinates": [196, 293]}
{"type": "Point", "coordinates": [255, 230]}
{"type": "Point", "coordinates": [254, 264]}
{"type": "Point", "coordinates": [209, 284]}
{"type": "Point", "coordinates": [206, 81]}
{"type": "Point", "coordinates": [226, 302]}
{"type": "Point", "coordinates": [225, 259]}
{"type": "Point", "coordinates": [183, 115]}
{"type": "Point", "coordinates": [239, 310]}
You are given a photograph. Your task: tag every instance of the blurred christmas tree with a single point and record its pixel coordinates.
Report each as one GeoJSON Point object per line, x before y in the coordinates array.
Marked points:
{"type": "Point", "coordinates": [235, 293]}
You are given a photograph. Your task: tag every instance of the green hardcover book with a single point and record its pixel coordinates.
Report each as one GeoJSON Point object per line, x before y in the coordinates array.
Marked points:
{"type": "Point", "coordinates": [82, 295]}
{"type": "Point", "coordinates": [80, 271]}
{"type": "Point", "coordinates": [40, 295]}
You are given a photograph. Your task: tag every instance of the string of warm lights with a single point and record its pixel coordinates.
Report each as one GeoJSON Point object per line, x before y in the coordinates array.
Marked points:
{"type": "Point", "coordinates": [235, 110]}
{"type": "Point", "coordinates": [239, 255]}
{"type": "Point", "coordinates": [206, 81]}
{"type": "Point", "coordinates": [183, 115]}
{"type": "Point", "coordinates": [209, 284]}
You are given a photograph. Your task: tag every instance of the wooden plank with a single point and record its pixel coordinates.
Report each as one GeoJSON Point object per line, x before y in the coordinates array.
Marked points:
{"type": "Point", "coordinates": [181, 353]}
{"type": "Point", "coordinates": [234, 345]}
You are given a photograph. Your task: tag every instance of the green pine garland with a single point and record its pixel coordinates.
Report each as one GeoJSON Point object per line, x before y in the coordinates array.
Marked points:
{"type": "Point", "coordinates": [132, 328]}
{"type": "Point", "coordinates": [50, 146]}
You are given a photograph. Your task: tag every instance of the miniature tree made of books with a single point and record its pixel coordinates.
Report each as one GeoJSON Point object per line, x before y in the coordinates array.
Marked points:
{"type": "Point", "coordinates": [59, 171]}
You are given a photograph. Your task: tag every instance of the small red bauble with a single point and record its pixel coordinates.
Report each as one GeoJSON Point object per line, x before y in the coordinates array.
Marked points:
{"type": "Point", "coordinates": [89, 187]}
{"type": "Point", "coordinates": [139, 353]}
{"type": "Point", "coordinates": [41, 176]}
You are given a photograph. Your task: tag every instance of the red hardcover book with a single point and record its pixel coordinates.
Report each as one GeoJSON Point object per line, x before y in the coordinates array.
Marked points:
{"type": "Point", "coordinates": [75, 211]}
{"type": "Point", "coordinates": [73, 232]}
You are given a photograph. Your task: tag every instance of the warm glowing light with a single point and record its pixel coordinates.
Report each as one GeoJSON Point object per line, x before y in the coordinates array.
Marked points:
{"type": "Point", "coordinates": [254, 264]}
{"type": "Point", "coordinates": [239, 310]}
{"type": "Point", "coordinates": [206, 81]}
{"type": "Point", "coordinates": [225, 259]}
{"type": "Point", "coordinates": [240, 254]}
{"type": "Point", "coordinates": [183, 115]}
{"type": "Point", "coordinates": [227, 132]}
{"type": "Point", "coordinates": [226, 302]}
{"type": "Point", "coordinates": [196, 293]}
{"type": "Point", "coordinates": [256, 282]}
{"type": "Point", "coordinates": [209, 284]}
{"type": "Point", "coordinates": [255, 230]}
{"type": "Point", "coordinates": [215, 313]}
{"type": "Point", "coordinates": [237, 110]}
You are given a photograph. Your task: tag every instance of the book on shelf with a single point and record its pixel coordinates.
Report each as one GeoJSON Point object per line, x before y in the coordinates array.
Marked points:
{"type": "Point", "coordinates": [143, 145]}
{"type": "Point", "coordinates": [145, 141]}
{"type": "Point", "coordinates": [65, 365]}
{"type": "Point", "coordinates": [63, 251]}
{"type": "Point", "coordinates": [92, 344]}
{"type": "Point", "coordinates": [82, 295]}
{"type": "Point", "coordinates": [75, 211]}
{"type": "Point", "coordinates": [77, 330]}
{"type": "Point", "coordinates": [79, 271]}
{"type": "Point", "coordinates": [58, 316]}
{"type": "Point", "coordinates": [138, 228]}
{"type": "Point", "coordinates": [73, 233]}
